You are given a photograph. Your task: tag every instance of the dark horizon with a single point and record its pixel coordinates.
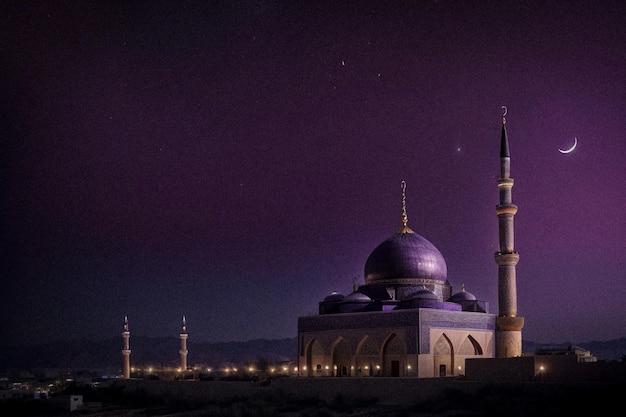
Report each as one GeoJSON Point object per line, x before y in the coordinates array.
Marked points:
{"type": "Point", "coordinates": [146, 350]}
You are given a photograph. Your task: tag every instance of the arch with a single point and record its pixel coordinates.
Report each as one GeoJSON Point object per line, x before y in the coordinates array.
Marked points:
{"type": "Point", "coordinates": [367, 358]}
{"type": "Point", "coordinates": [443, 356]}
{"type": "Point", "coordinates": [393, 356]}
{"type": "Point", "coordinates": [314, 359]}
{"type": "Point", "coordinates": [470, 347]}
{"type": "Point", "coordinates": [341, 355]}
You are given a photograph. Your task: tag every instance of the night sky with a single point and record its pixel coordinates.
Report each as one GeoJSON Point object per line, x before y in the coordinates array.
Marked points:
{"type": "Point", "coordinates": [237, 161]}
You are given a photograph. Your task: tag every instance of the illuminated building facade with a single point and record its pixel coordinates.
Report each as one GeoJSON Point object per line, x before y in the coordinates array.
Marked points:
{"type": "Point", "coordinates": [405, 320]}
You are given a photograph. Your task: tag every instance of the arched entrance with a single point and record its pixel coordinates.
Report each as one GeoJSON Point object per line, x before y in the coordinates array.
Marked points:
{"type": "Point", "coordinates": [394, 357]}
{"type": "Point", "coordinates": [367, 358]}
{"type": "Point", "coordinates": [443, 356]}
{"type": "Point", "coordinates": [314, 359]}
{"type": "Point", "coordinates": [342, 358]}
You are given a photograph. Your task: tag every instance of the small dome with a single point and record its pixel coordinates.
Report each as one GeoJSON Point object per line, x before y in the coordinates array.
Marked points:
{"type": "Point", "coordinates": [334, 296]}
{"type": "Point", "coordinates": [404, 258]}
{"type": "Point", "coordinates": [424, 294]}
{"type": "Point", "coordinates": [358, 297]}
{"type": "Point", "coordinates": [462, 296]}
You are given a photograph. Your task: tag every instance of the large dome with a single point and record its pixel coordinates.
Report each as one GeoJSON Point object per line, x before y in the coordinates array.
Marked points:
{"type": "Point", "coordinates": [405, 257]}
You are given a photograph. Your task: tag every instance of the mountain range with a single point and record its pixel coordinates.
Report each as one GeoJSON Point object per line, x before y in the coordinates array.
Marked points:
{"type": "Point", "coordinates": [90, 354]}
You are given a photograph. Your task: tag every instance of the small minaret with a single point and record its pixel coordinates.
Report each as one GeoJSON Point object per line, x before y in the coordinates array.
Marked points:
{"type": "Point", "coordinates": [126, 349]}
{"type": "Point", "coordinates": [508, 325]}
{"type": "Point", "coordinates": [183, 347]}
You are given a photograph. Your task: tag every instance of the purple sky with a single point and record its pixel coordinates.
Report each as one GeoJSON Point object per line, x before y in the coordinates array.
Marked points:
{"type": "Point", "coordinates": [235, 162]}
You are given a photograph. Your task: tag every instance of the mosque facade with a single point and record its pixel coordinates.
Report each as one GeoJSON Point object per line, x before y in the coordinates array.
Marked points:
{"type": "Point", "coordinates": [405, 320]}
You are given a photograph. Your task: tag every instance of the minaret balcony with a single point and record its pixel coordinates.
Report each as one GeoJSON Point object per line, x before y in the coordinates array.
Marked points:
{"type": "Point", "coordinates": [506, 209]}
{"type": "Point", "coordinates": [509, 324]}
{"type": "Point", "coordinates": [507, 259]}
{"type": "Point", "coordinates": [505, 182]}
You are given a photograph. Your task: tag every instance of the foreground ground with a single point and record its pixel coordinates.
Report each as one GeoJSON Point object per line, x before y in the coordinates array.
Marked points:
{"type": "Point", "coordinates": [490, 400]}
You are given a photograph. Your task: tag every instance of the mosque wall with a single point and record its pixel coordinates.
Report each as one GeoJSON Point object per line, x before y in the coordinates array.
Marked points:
{"type": "Point", "coordinates": [403, 343]}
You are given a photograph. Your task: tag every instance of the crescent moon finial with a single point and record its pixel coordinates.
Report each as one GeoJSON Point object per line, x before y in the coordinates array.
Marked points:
{"type": "Point", "coordinates": [504, 112]}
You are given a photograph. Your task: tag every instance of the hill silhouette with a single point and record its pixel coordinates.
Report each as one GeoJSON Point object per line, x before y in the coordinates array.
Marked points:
{"type": "Point", "coordinates": [157, 351]}
{"type": "Point", "coordinates": [163, 351]}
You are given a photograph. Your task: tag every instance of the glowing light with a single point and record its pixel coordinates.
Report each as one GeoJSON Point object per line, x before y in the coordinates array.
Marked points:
{"type": "Point", "coordinates": [326, 367]}
{"type": "Point", "coordinates": [408, 367]}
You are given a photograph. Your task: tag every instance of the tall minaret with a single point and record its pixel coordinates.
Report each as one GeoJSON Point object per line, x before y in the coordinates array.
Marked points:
{"type": "Point", "coordinates": [183, 347]}
{"type": "Point", "coordinates": [508, 325]}
{"type": "Point", "coordinates": [126, 349]}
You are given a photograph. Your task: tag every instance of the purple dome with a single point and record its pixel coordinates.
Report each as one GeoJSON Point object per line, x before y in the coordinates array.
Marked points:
{"type": "Point", "coordinates": [404, 258]}
{"type": "Point", "coordinates": [334, 296]}
{"type": "Point", "coordinates": [424, 294]}
{"type": "Point", "coordinates": [358, 297]}
{"type": "Point", "coordinates": [462, 296]}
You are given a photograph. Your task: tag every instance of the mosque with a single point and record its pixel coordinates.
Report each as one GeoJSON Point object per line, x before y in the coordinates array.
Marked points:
{"type": "Point", "coordinates": [405, 321]}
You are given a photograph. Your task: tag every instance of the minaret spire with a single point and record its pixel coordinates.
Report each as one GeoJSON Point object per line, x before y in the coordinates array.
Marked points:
{"type": "Point", "coordinates": [508, 324]}
{"type": "Point", "coordinates": [126, 349]}
{"type": "Point", "coordinates": [183, 346]}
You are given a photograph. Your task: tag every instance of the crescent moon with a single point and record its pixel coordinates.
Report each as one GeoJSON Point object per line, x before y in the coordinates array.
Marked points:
{"type": "Point", "coordinates": [570, 149]}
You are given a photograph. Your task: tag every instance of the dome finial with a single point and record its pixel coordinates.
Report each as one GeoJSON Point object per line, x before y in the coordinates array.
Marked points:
{"type": "Point", "coordinates": [405, 218]}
